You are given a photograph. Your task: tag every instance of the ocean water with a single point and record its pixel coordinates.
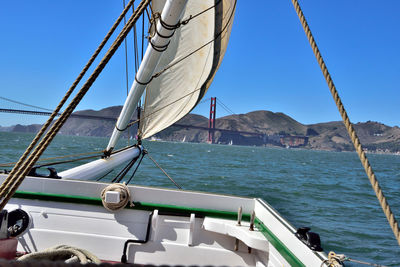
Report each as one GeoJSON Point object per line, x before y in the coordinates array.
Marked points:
{"type": "Point", "coordinates": [327, 191]}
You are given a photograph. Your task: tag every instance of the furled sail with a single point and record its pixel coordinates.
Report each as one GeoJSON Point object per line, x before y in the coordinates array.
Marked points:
{"type": "Point", "coordinates": [187, 68]}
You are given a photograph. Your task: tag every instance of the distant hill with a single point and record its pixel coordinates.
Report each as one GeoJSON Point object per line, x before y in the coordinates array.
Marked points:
{"type": "Point", "coordinates": [94, 127]}
{"type": "Point", "coordinates": [374, 136]}
{"type": "Point", "coordinates": [273, 128]}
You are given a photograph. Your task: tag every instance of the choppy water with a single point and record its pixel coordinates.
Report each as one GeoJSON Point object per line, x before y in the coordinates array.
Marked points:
{"type": "Point", "coordinates": [328, 191]}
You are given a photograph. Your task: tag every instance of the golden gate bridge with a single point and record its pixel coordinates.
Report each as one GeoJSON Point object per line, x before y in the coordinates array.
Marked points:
{"type": "Point", "coordinates": [40, 111]}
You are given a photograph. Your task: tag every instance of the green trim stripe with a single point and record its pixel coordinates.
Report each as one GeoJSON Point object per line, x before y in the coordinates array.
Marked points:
{"type": "Point", "coordinates": [137, 205]}
{"type": "Point", "coordinates": [282, 249]}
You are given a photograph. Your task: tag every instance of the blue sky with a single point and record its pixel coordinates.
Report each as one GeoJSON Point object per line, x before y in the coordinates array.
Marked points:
{"type": "Point", "coordinates": [269, 64]}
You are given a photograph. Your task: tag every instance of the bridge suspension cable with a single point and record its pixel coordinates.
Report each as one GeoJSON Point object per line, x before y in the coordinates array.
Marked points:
{"type": "Point", "coordinates": [205, 100]}
{"type": "Point", "coordinates": [225, 107]}
{"type": "Point", "coordinates": [24, 104]}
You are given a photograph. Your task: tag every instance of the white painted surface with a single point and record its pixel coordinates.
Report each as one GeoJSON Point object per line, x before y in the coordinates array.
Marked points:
{"type": "Point", "coordinates": [100, 167]}
{"type": "Point", "coordinates": [174, 240]}
{"type": "Point", "coordinates": [164, 196]}
{"type": "Point", "coordinates": [253, 239]}
{"type": "Point", "coordinates": [284, 231]}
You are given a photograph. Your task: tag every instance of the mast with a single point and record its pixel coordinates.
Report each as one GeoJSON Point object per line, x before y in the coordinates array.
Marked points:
{"type": "Point", "coordinates": [170, 17]}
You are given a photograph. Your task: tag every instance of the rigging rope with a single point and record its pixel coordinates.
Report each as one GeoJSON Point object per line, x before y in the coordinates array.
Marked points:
{"type": "Point", "coordinates": [100, 153]}
{"type": "Point", "coordinates": [58, 157]}
{"type": "Point", "coordinates": [66, 253]}
{"type": "Point", "coordinates": [18, 173]}
{"type": "Point", "coordinates": [144, 152]}
{"type": "Point", "coordinates": [126, 169]}
{"type": "Point", "coordinates": [172, 180]}
{"type": "Point", "coordinates": [338, 259]}
{"type": "Point", "coordinates": [126, 56]}
{"type": "Point", "coordinates": [19, 164]}
{"type": "Point", "coordinates": [350, 129]}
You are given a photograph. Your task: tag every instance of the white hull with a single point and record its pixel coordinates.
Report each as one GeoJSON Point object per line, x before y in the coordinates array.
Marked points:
{"type": "Point", "coordinates": [186, 228]}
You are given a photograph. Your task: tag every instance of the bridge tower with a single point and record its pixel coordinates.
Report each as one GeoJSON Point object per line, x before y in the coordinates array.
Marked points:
{"type": "Point", "coordinates": [211, 121]}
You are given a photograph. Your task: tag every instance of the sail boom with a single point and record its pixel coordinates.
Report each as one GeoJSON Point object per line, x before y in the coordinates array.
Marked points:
{"type": "Point", "coordinates": [170, 15]}
{"type": "Point", "coordinates": [99, 168]}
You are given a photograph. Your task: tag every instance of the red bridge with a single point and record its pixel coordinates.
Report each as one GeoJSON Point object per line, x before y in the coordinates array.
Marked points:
{"type": "Point", "coordinates": [259, 138]}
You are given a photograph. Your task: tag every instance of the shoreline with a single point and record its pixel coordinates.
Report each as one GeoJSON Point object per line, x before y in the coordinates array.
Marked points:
{"type": "Point", "coordinates": [379, 152]}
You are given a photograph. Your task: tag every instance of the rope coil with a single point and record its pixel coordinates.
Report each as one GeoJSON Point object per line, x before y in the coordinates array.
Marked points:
{"type": "Point", "coordinates": [335, 260]}
{"type": "Point", "coordinates": [124, 196]}
{"type": "Point", "coordinates": [68, 254]}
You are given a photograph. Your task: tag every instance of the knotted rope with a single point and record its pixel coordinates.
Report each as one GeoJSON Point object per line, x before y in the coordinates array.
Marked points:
{"type": "Point", "coordinates": [18, 174]}
{"type": "Point", "coordinates": [68, 254]}
{"type": "Point", "coordinates": [124, 195]}
{"type": "Point", "coordinates": [335, 260]}
{"type": "Point", "coordinates": [352, 133]}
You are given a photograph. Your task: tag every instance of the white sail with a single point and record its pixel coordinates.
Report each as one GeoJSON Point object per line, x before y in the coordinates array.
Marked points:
{"type": "Point", "coordinates": [197, 48]}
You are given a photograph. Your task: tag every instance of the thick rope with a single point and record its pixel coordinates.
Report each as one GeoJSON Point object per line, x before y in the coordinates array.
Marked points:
{"type": "Point", "coordinates": [66, 253]}
{"type": "Point", "coordinates": [62, 102]}
{"type": "Point", "coordinates": [354, 138]}
{"type": "Point", "coordinates": [15, 180]}
{"type": "Point", "coordinates": [335, 260]}
{"type": "Point", "coordinates": [65, 98]}
{"type": "Point", "coordinates": [124, 195]}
